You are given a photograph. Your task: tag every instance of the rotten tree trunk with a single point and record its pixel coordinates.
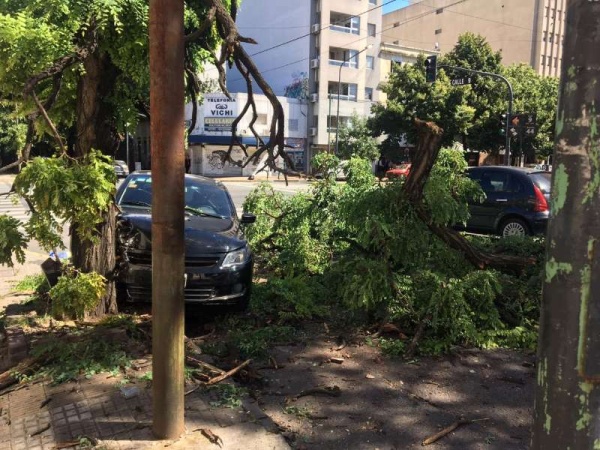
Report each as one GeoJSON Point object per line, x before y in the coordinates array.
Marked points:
{"type": "Point", "coordinates": [96, 130]}
{"type": "Point", "coordinates": [567, 398]}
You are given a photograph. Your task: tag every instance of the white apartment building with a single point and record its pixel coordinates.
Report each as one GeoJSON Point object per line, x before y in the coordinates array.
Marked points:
{"type": "Point", "coordinates": [332, 44]}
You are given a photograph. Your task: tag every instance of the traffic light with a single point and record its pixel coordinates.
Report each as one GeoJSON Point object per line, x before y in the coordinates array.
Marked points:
{"type": "Point", "coordinates": [431, 68]}
{"type": "Point", "coordinates": [503, 122]}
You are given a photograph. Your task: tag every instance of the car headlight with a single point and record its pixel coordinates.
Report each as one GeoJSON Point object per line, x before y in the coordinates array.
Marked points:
{"type": "Point", "coordinates": [236, 257]}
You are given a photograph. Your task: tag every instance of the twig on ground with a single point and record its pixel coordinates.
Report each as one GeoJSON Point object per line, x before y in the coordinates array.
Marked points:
{"type": "Point", "coordinates": [228, 374]}
{"type": "Point", "coordinates": [333, 391]}
{"type": "Point", "coordinates": [449, 429]}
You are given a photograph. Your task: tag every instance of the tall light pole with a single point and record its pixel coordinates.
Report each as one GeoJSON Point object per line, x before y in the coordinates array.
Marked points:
{"type": "Point", "coordinates": [337, 125]}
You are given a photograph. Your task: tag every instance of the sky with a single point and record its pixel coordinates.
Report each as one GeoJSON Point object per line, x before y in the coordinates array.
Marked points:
{"type": "Point", "coordinates": [394, 5]}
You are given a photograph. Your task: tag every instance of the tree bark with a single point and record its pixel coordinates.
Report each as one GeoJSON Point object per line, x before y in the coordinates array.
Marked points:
{"type": "Point", "coordinates": [567, 397]}
{"type": "Point", "coordinates": [96, 130]}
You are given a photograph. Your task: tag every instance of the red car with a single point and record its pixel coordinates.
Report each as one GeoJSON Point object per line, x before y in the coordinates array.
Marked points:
{"type": "Point", "coordinates": [401, 171]}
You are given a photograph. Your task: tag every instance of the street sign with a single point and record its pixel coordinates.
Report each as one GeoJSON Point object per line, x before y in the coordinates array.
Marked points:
{"type": "Point", "coordinates": [460, 81]}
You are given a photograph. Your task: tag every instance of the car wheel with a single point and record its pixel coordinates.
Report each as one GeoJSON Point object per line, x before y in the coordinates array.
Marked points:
{"type": "Point", "coordinates": [514, 227]}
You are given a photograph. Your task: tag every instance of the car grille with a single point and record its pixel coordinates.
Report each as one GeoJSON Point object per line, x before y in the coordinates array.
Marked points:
{"type": "Point", "coordinates": [145, 259]}
{"type": "Point", "coordinates": [143, 294]}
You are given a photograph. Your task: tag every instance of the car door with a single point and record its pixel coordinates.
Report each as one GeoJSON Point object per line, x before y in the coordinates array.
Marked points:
{"type": "Point", "coordinates": [496, 185]}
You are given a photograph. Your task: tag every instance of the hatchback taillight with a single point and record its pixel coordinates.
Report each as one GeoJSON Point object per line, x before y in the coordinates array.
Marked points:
{"type": "Point", "coordinates": [541, 204]}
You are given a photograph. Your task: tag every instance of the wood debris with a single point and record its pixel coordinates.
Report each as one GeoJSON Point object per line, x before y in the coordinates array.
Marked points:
{"type": "Point", "coordinates": [212, 437]}
{"type": "Point", "coordinates": [449, 429]}
{"type": "Point", "coordinates": [228, 374]}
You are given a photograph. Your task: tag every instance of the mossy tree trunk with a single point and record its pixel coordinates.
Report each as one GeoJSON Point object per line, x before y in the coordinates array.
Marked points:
{"type": "Point", "coordinates": [567, 398]}
{"type": "Point", "coordinates": [96, 130]}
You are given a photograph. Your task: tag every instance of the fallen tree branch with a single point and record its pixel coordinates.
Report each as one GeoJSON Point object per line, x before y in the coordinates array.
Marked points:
{"type": "Point", "coordinates": [428, 147]}
{"type": "Point", "coordinates": [201, 364]}
{"type": "Point", "coordinates": [449, 429]}
{"type": "Point", "coordinates": [228, 374]}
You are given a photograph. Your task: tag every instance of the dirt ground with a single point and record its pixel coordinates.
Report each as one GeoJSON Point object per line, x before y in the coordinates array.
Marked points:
{"type": "Point", "coordinates": [323, 393]}
{"type": "Point", "coordinates": [357, 399]}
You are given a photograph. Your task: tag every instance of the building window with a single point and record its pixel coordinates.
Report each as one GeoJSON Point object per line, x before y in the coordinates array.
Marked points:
{"type": "Point", "coordinates": [373, 2]}
{"type": "Point", "coordinates": [347, 91]}
{"type": "Point", "coordinates": [438, 31]}
{"type": "Point", "coordinates": [395, 66]}
{"type": "Point", "coordinates": [543, 60]}
{"type": "Point", "coordinates": [371, 29]}
{"type": "Point", "coordinates": [439, 10]}
{"type": "Point", "coordinates": [370, 62]}
{"type": "Point", "coordinates": [344, 23]}
{"type": "Point", "coordinates": [293, 124]}
{"type": "Point", "coordinates": [555, 62]}
{"type": "Point", "coordinates": [315, 122]}
{"type": "Point", "coordinates": [368, 93]}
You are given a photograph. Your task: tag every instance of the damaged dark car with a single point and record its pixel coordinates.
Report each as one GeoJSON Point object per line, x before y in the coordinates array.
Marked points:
{"type": "Point", "coordinates": [218, 260]}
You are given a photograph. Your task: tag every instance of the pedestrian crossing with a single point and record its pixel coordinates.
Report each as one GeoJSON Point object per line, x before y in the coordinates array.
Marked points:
{"type": "Point", "coordinates": [12, 205]}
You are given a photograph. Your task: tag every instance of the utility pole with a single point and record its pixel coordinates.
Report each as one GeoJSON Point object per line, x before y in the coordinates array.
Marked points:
{"type": "Point", "coordinates": [567, 397]}
{"type": "Point", "coordinates": [167, 144]}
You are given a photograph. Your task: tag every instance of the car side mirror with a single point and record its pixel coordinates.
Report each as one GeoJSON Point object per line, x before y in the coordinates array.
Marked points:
{"type": "Point", "coordinates": [248, 218]}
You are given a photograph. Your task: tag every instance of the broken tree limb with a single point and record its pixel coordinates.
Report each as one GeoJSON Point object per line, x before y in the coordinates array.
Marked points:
{"type": "Point", "coordinates": [201, 364]}
{"type": "Point", "coordinates": [226, 375]}
{"type": "Point", "coordinates": [449, 429]}
{"type": "Point", "coordinates": [428, 148]}
{"type": "Point", "coordinates": [410, 351]}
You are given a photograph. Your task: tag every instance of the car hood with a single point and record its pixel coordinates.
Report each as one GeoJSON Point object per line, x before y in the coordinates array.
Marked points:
{"type": "Point", "coordinates": [203, 235]}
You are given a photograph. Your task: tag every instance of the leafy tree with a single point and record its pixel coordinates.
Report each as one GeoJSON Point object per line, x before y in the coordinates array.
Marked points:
{"type": "Point", "coordinates": [355, 140]}
{"type": "Point", "coordinates": [470, 113]}
{"type": "Point", "coordinates": [12, 135]}
{"type": "Point", "coordinates": [534, 94]}
{"type": "Point", "coordinates": [411, 97]}
{"type": "Point", "coordinates": [486, 95]}
{"type": "Point", "coordinates": [80, 69]}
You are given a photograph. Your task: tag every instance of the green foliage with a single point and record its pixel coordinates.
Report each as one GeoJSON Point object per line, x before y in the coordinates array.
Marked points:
{"type": "Point", "coordinates": [66, 360]}
{"type": "Point", "coordinates": [31, 283]}
{"type": "Point", "coordinates": [370, 254]}
{"type": "Point", "coordinates": [76, 293]}
{"type": "Point", "coordinates": [355, 140]}
{"type": "Point", "coordinates": [12, 241]}
{"type": "Point", "coordinates": [301, 412]}
{"type": "Point", "coordinates": [254, 342]}
{"type": "Point", "coordinates": [227, 395]}
{"type": "Point", "coordinates": [61, 189]}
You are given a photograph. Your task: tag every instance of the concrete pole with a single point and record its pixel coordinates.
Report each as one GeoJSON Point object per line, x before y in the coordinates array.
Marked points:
{"type": "Point", "coordinates": [167, 147]}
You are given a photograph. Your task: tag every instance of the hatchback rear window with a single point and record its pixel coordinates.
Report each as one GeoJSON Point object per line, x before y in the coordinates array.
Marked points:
{"type": "Point", "coordinates": [542, 180]}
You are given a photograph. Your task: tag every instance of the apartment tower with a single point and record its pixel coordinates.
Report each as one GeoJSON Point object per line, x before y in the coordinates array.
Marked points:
{"type": "Point", "coordinates": [330, 45]}
{"type": "Point", "coordinates": [525, 31]}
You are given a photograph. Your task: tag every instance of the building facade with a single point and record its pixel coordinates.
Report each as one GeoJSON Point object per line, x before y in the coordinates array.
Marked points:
{"type": "Point", "coordinates": [325, 51]}
{"type": "Point", "coordinates": [209, 141]}
{"type": "Point", "coordinates": [528, 31]}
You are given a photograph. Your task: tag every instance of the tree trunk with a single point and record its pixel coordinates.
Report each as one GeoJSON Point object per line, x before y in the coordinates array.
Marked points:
{"type": "Point", "coordinates": [96, 130]}
{"type": "Point", "coordinates": [567, 397]}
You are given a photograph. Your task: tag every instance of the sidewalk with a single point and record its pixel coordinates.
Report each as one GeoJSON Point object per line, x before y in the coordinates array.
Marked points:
{"type": "Point", "coordinates": [41, 416]}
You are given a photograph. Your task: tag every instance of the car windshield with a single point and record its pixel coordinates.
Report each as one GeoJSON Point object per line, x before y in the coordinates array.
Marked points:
{"type": "Point", "coordinates": [542, 180]}
{"type": "Point", "coordinates": [203, 199]}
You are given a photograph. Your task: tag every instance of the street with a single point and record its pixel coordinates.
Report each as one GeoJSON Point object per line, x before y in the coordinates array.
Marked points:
{"type": "Point", "coordinates": [238, 190]}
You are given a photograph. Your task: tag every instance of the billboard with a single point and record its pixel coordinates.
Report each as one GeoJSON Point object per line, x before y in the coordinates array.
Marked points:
{"type": "Point", "coordinates": [219, 113]}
